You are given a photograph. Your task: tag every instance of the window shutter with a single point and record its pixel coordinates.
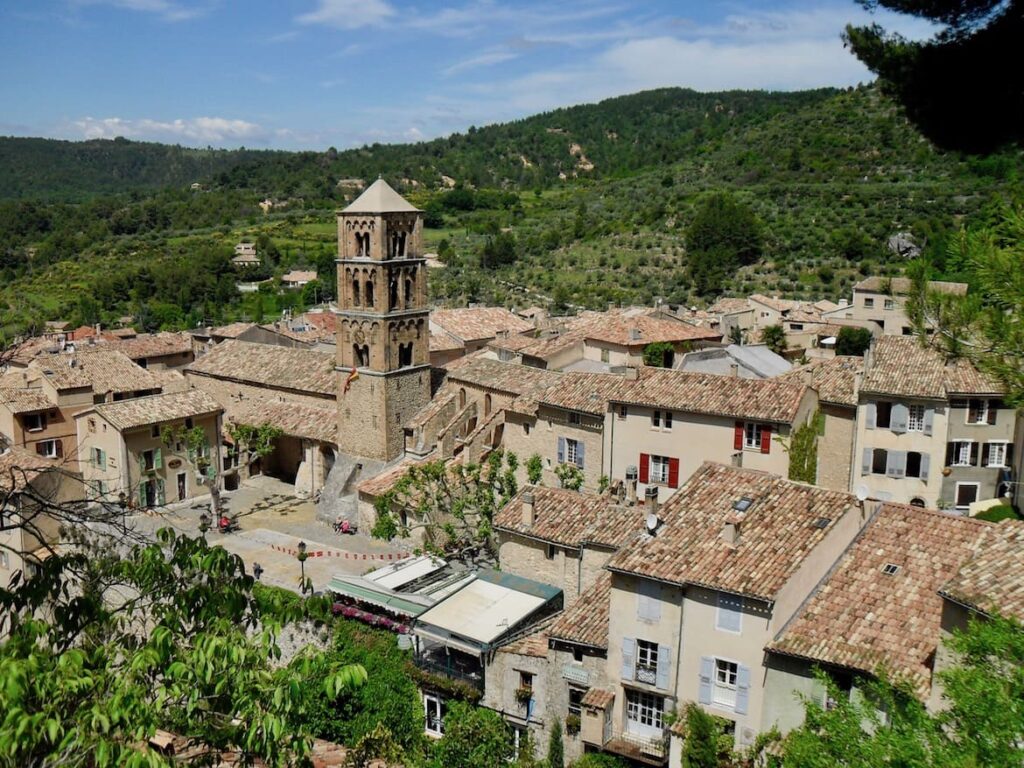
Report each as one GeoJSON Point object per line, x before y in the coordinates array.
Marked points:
{"type": "Point", "coordinates": [628, 650]}
{"type": "Point", "coordinates": [900, 462]}
{"type": "Point", "coordinates": [929, 419]}
{"type": "Point", "coordinates": [158, 459]}
{"type": "Point", "coordinates": [950, 453]}
{"type": "Point", "coordinates": [664, 667]}
{"type": "Point", "coordinates": [707, 669]}
{"type": "Point", "coordinates": [975, 451]}
{"type": "Point", "coordinates": [898, 418]}
{"type": "Point", "coordinates": [737, 438]}
{"type": "Point", "coordinates": [103, 458]}
{"type": "Point", "coordinates": [645, 467]}
{"type": "Point", "coordinates": [742, 689]}
{"type": "Point", "coordinates": [893, 465]}
{"type": "Point", "coordinates": [142, 495]}
{"type": "Point", "coordinates": [59, 447]}
{"type": "Point", "coordinates": [673, 473]}
{"type": "Point", "coordinates": [1009, 455]}
{"type": "Point", "coordinates": [40, 449]}
{"type": "Point", "coordinates": [985, 451]}
{"type": "Point", "coordinates": [561, 450]}
{"type": "Point", "coordinates": [869, 415]}
{"type": "Point", "coordinates": [993, 405]}
{"type": "Point", "coordinates": [766, 439]}
{"type": "Point", "coordinates": [579, 454]}
{"type": "Point", "coordinates": [925, 466]}
{"type": "Point", "coordinates": [161, 497]}
{"type": "Point", "coordinates": [865, 467]}
{"type": "Point", "coordinates": [728, 617]}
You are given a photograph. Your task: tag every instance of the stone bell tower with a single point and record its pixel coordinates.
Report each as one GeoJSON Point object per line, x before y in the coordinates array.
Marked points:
{"type": "Point", "coordinates": [383, 330]}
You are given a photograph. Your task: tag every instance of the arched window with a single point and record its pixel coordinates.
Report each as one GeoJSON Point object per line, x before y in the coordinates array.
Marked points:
{"type": "Point", "coordinates": [361, 355]}
{"type": "Point", "coordinates": [400, 249]}
{"type": "Point", "coordinates": [408, 293]}
{"type": "Point", "coordinates": [404, 355]}
{"type": "Point", "coordinates": [487, 405]}
{"type": "Point", "coordinates": [462, 397]}
{"type": "Point", "coordinates": [917, 501]}
{"type": "Point", "coordinates": [393, 294]}
{"type": "Point", "coordinates": [369, 293]}
{"type": "Point", "coordinates": [355, 291]}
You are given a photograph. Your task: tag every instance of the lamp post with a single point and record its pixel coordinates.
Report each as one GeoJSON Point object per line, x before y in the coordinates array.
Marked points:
{"type": "Point", "coordinates": [302, 564]}
{"type": "Point", "coordinates": [204, 524]}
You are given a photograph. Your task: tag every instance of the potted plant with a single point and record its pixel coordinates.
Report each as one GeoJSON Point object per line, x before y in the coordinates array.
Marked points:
{"type": "Point", "coordinates": [572, 724]}
{"type": "Point", "coordinates": [523, 694]}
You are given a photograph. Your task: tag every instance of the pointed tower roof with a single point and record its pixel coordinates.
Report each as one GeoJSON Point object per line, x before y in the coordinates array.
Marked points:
{"type": "Point", "coordinates": [379, 197]}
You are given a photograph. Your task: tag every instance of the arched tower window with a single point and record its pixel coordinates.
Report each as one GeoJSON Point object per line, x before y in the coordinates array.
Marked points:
{"type": "Point", "coordinates": [404, 355]}
{"type": "Point", "coordinates": [408, 292]}
{"type": "Point", "coordinates": [361, 355]}
{"type": "Point", "coordinates": [369, 293]}
{"type": "Point", "coordinates": [400, 249]}
{"type": "Point", "coordinates": [355, 291]}
{"type": "Point", "coordinates": [462, 397]}
{"type": "Point", "coordinates": [487, 405]}
{"type": "Point", "coordinates": [393, 293]}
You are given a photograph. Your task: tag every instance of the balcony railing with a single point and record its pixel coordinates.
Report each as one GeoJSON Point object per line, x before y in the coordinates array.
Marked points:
{"type": "Point", "coordinates": [652, 750]}
{"type": "Point", "coordinates": [646, 674]}
{"type": "Point", "coordinates": [451, 665]}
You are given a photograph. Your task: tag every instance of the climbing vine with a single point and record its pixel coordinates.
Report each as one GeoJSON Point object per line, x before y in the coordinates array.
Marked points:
{"type": "Point", "coordinates": [803, 450]}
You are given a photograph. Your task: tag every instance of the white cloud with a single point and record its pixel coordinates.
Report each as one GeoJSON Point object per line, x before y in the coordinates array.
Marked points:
{"type": "Point", "coordinates": [349, 14]}
{"type": "Point", "coordinates": [485, 59]}
{"type": "Point", "coordinates": [165, 9]}
{"type": "Point", "coordinates": [211, 130]}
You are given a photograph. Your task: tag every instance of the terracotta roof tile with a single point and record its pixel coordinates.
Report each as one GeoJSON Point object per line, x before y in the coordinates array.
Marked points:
{"type": "Point", "coordinates": [899, 365]}
{"type": "Point", "coordinates": [511, 378]}
{"type": "Point", "coordinates": [598, 698]}
{"type": "Point", "coordinates": [19, 467]}
{"type": "Point", "coordinates": [298, 276]}
{"type": "Point", "coordinates": [779, 305]}
{"type": "Point", "coordinates": [151, 345]}
{"type": "Point", "coordinates": [534, 644]}
{"type": "Point", "coordinates": [835, 378]}
{"type": "Point", "coordinates": [764, 399]}
{"type": "Point", "coordinates": [294, 419]}
{"type": "Point", "coordinates": [729, 305]}
{"type": "Point", "coordinates": [993, 580]}
{"type": "Point", "coordinates": [880, 606]}
{"type": "Point", "coordinates": [776, 532]}
{"type": "Point", "coordinates": [444, 342]}
{"type": "Point", "coordinates": [584, 392]}
{"type": "Point", "coordinates": [231, 331]}
{"type": "Point", "coordinates": [586, 622]}
{"type": "Point", "coordinates": [644, 330]}
{"type": "Point", "coordinates": [301, 370]}
{"type": "Point", "coordinates": [25, 400]}
{"type": "Point", "coordinates": [571, 518]}
{"type": "Point", "coordinates": [156, 409]}
{"type": "Point", "coordinates": [105, 370]}
{"type": "Point", "coordinates": [477, 323]}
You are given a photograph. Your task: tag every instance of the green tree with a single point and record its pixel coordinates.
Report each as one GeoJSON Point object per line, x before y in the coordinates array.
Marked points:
{"type": "Point", "coordinates": [534, 469]}
{"type": "Point", "coordinates": [473, 737]}
{"type": "Point", "coordinates": [569, 476]}
{"type": "Point", "coordinates": [102, 649]}
{"type": "Point", "coordinates": [700, 744]}
{"type": "Point", "coordinates": [659, 354]}
{"type": "Point", "coordinates": [774, 337]}
{"type": "Point", "coordinates": [975, 55]}
{"type": "Point", "coordinates": [853, 341]}
{"type": "Point", "coordinates": [556, 750]}
{"type": "Point", "coordinates": [725, 224]}
{"type": "Point", "coordinates": [498, 250]}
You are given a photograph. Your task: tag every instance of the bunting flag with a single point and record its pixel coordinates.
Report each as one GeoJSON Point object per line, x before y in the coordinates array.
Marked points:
{"type": "Point", "coordinates": [351, 377]}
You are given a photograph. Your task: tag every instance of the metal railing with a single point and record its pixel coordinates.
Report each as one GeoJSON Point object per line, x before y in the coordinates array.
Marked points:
{"type": "Point", "coordinates": [450, 666]}
{"type": "Point", "coordinates": [639, 747]}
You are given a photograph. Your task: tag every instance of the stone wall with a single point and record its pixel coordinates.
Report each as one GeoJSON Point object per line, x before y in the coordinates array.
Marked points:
{"type": "Point", "coordinates": [835, 447]}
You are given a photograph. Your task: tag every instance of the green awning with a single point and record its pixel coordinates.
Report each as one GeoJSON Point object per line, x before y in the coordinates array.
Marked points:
{"type": "Point", "coordinates": [365, 592]}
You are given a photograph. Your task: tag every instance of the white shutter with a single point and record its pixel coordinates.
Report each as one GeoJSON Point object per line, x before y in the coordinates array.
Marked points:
{"type": "Point", "coordinates": [742, 690]}
{"type": "Point", "coordinates": [865, 467]}
{"type": "Point", "coordinates": [929, 420]}
{"type": "Point", "coordinates": [628, 652]}
{"type": "Point", "coordinates": [664, 667]}
{"type": "Point", "coordinates": [707, 669]}
{"type": "Point", "coordinates": [898, 418]}
{"type": "Point", "coordinates": [869, 415]}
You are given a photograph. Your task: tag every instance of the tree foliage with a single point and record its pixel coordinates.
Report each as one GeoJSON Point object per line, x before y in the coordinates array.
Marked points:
{"type": "Point", "coordinates": [853, 341]}
{"type": "Point", "coordinates": [774, 337]}
{"type": "Point", "coordinates": [723, 236]}
{"type": "Point", "coordinates": [658, 354]}
{"type": "Point", "coordinates": [473, 737]}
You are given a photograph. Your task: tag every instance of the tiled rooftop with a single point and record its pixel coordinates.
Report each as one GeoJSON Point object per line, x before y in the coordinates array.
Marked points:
{"type": "Point", "coordinates": [779, 305]}
{"type": "Point", "coordinates": [763, 399]}
{"type": "Point", "coordinates": [584, 392]}
{"type": "Point", "coordinates": [993, 580]}
{"type": "Point", "coordinates": [619, 330]}
{"type": "Point", "coordinates": [512, 378]}
{"type": "Point", "coordinates": [776, 532]}
{"type": "Point", "coordinates": [586, 622]}
{"type": "Point", "coordinates": [599, 698]}
{"type": "Point", "coordinates": [301, 370]}
{"type": "Point", "coordinates": [571, 518]}
{"type": "Point", "coordinates": [294, 419]}
{"type": "Point", "coordinates": [900, 286]}
{"type": "Point", "coordinates": [151, 345]}
{"type": "Point", "coordinates": [25, 400]}
{"type": "Point", "coordinates": [834, 378]}
{"type": "Point", "coordinates": [477, 323]}
{"type": "Point", "coordinates": [103, 369]}
{"type": "Point", "coordinates": [156, 409]}
{"type": "Point", "coordinates": [19, 467]}
{"type": "Point", "coordinates": [729, 304]}
{"type": "Point", "coordinates": [880, 606]}
{"type": "Point", "coordinates": [899, 365]}
{"type": "Point", "coordinates": [444, 342]}
{"type": "Point", "coordinates": [298, 276]}
{"type": "Point", "coordinates": [231, 331]}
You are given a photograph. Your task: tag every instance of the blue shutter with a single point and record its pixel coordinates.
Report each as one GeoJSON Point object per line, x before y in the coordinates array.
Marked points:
{"type": "Point", "coordinates": [729, 613]}
{"type": "Point", "coordinates": [869, 416]}
{"type": "Point", "coordinates": [929, 419]}
{"type": "Point", "coordinates": [925, 465]}
{"type": "Point", "coordinates": [742, 690]}
{"type": "Point", "coordinates": [628, 651]}
{"type": "Point", "coordinates": [664, 667]}
{"type": "Point", "coordinates": [579, 454]}
{"type": "Point", "coordinates": [865, 467]}
{"type": "Point", "coordinates": [561, 450]}
{"type": "Point", "coordinates": [898, 418]}
{"type": "Point", "coordinates": [707, 669]}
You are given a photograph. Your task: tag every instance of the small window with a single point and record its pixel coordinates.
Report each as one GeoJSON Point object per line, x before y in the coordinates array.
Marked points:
{"type": "Point", "coordinates": [92, 425]}
{"type": "Point", "coordinates": [574, 417]}
{"type": "Point", "coordinates": [914, 464]}
{"type": "Point", "coordinates": [656, 419]}
{"type": "Point", "coordinates": [605, 356]}
{"type": "Point", "coordinates": [575, 700]}
{"type": "Point", "coordinates": [526, 429]}
{"type": "Point", "coordinates": [915, 418]}
{"type": "Point", "coordinates": [434, 713]}
{"type": "Point", "coordinates": [154, 431]}
{"type": "Point", "coordinates": [869, 302]}
{"type": "Point", "coordinates": [668, 419]}
{"type": "Point", "coordinates": [879, 459]}
{"type": "Point", "coordinates": [966, 494]}
{"type": "Point", "coordinates": [35, 422]}
{"type": "Point", "coordinates": [796, 326]}
{"type": "Point", "coordinates": [188, 423]}
{"type": "Point", "coordinates": [890, 569]}
{"type": "Point", "coordinates": [883, 414]}
{"type": "Point", "coordinates": [646, 662]}
{"type": "Point", "coordinates": [526, 680]}
{"type": "Point", "coordinates": [659, 469]}
{"type": "Point", "coordinates": [550, 551]}
{"type": "Point", "coordinates": [961, 453]}
{"type": "Point", "coordinates": [729, 616]}
{"type": "Point", "coordinates": [996, 455]}
{"type": "Point", "coordinates": [752, 435]}
{"type": "Point", "coordinates": [726, 673]}
{"type": "Point", "coordinates": [623, 411]}
{"type": "Point", "coordinates": [47, 449]}
{"type": "Point", "coordinates": [572, 451]}
{"type": "Point", "coordinates": [977, 411]}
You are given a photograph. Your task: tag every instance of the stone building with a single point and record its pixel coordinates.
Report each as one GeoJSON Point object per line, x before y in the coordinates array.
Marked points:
{"type": "Point", "coordinates": [383, 357]}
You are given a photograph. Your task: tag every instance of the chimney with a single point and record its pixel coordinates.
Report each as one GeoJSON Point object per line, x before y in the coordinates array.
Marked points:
{"type": "Point", "coordinates": [807, 377]}
{"type": "Point", "coordinates": [631, 476]}
{"type": "Point", "coordinates": [734, 370]}
{"type": "Point", "coordinates": [632, 373]}
{"type": "Point", "coordinates": [651, 500]}
{"type": "Point", "coordinates": [731, 532]}
{"type": "Point", "coordinates": [634, 334]}
{"type": "Point", "coordinates": [527, 508]}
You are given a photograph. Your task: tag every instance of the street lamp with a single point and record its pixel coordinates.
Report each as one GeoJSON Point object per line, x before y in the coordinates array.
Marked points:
{"type": "Point", "coordinates": [204, 524]}
{"type": "Point", "coordinates": [302, 564]}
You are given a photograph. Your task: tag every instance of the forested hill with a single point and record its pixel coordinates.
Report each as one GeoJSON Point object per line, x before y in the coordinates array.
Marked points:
{"type": "Point", "coordinates": [613, 137]}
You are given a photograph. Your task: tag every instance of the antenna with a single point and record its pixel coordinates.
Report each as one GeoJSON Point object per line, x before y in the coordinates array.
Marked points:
{"type": "Point", "coordinates": [652, 523]}
{"type": "Point", "coordinates": [862, 492]}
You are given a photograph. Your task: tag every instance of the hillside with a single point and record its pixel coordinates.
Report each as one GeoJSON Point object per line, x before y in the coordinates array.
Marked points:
{"type": "Point", "coordinates": [830, 175]}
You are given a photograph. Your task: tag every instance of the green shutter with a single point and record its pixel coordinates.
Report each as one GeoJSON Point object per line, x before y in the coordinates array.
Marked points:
{"type": "Point", "coordinates": [158, 459]}
{"type": "Point", "coordinates": [142, 495]}
{"type": "Point", "coordinates": [142, 463]}
{"type": "Point", "coordinates": [161, 497]}
{"type": "Point", "coordinates": [191, 455]}
{"type": "Point", "coordinates": [103, 458]}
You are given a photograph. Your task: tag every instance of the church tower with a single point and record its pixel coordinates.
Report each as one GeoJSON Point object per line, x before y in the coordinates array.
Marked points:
{"type": "Point", "coordinates": [383, 328]}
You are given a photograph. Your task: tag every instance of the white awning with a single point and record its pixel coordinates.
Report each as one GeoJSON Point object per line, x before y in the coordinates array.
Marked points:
{"type": "Point", "coordinates": [397, 575]}
{"type": "Point", "coordinates": [481, 611]}
{"type": "Point", "coordinates": [828, 341]}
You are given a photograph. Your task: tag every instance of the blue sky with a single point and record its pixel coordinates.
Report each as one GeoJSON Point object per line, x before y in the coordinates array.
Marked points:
{"type": "Point", "coordinates": [319, 73]}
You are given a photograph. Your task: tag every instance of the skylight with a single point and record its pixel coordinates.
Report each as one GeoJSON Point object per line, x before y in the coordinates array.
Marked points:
{"type": "Point", "coordinates": [890, 569]}
{"type": "Point", "coordinates": [742, 504]}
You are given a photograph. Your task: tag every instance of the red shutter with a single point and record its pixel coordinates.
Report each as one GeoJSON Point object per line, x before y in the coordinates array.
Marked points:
{"type": "Point", "coordinates": [737, 440]}
{"type": "Point", "coordinates": [645, 467]}
{"type": "Point", "coordinates": [766, 439]}
{"type": "Point", "coordinates": [673, 473]}
{"type": "Point", "coordinates": [60, 448]}
{"type": "Point", "coordinates": [40, 449]}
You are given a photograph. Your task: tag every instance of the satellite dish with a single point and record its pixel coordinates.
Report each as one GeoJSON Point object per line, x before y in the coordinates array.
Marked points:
{"type": "Point", "coordinates": [652, 522]}
{"type": "Point", "coordinates": [862, 492]}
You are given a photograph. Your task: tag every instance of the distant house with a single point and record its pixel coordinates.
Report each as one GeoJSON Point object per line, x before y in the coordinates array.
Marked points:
{"type": "Point", "coordinates": [879, 304]}
{"type": "Point", "coordinates": [245, 255]}
{"type": "Point", "coordinates": [755, 361]}
{"type": "Point", "coordinates": [297, 278]}
{"type": "Point", "coordinates": [457, 332]}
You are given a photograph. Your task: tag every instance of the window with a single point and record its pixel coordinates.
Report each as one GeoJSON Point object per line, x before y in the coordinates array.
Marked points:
{"type": "Point", "coordinates": [661, 420]}
{"type": "Point", "coordinates": [645, 710]}
{"type": "Point", "coordinates": [978, 411]}
{"type": "Point", "coordinates": [966, 494]}
{"type": "Point", "coordinates": [659, 469]}
{"type": "Point", "coordinates": [915, 418]}
{"type": "Point", "coordinates": [960, 453]}
{"type": "Point", "coordinates": [883, 415]}
{"type": "Point", "coordinates": [550, 551]}
{"type": "Point", "coordinates": [188, 423]}
{"type": "Point", "coordinates": [154, 431]}
{"type": "Point", "coordinates": [47, 449]}
{"type": "Point", "coordinates": [434, 712]}
{"type": "Point", "coordinates": [752, 435]}
{"type": "Point", "coordinates": [890, 304]}
{"type": "Point", "coordinates": [35, 422]}
{"type": "Point", "coordinates": [148, 460]}
{"type": "Point", "coordinates": [572, 448]}
{"type": "Point", "coordinates": [575, 700]}
{"type": "Point", "coordinates": [729, 617]}
{"type": "Point", "coordinates": [99, 458]}
{"type": "Point", "coordinates": [796, 326]}
{"type": "Point", "coordinates": [574, 418]}
{"type": "Point", "coordinates": [622, 411]}
{"type": "Point", "coordinates": [518, 740]}
{"type": "Point", "coordinates": [526, 429]}
{"type": "Point", "coordinates": [605, 356]}
{"type": "Point", "coordinates": [725, 683]}
{"type": "Point", "coordinates": [996, 454]}
{"type": "Point", "coordinates": [916, 466]}
{"type": "Point", "coordinates": [646, 662]}
{"type": "Point", "coordinates": [869, 302]}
